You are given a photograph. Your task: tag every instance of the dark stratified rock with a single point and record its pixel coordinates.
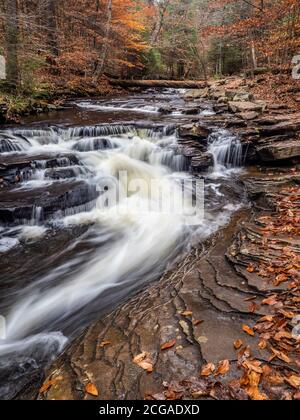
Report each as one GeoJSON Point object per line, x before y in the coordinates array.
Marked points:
{"type": "Point", "coordinates": [166, 109]}
{"type": "Point", "coordinates": [290, 126]}
{"type": "Point", "coordinates": [243, 106]}
{"type": "Point", "coordinates": [20, 204]}
{"type": "Point", "coordinates": [201, 304]}
{"type": "Point", "coordinates": [248, 116]}
{"type": "Point", "coordinates": [202, 162]}
{"type": "Point", "coordinates": [16, 168]}
{"type": "Point", "coordinates": [278, 150]}
{"type": "Point", "coordinates": [191, 111]}
{"type": "Point", "coordinates": [194, 131]}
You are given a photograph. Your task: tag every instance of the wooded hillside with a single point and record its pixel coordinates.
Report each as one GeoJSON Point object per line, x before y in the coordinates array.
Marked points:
{"type": "Point", "coordinates": [73, 43]}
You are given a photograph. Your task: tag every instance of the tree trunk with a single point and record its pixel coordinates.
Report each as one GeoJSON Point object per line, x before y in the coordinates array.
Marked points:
{"type": "Point", "coordinates": [11, 42]}
{"type": "Point", "coordinates": [100, 65]}
{"type": "Point", "coordinates": [52, 27]}
{"type": "Point", "coordinates": [254, 58]}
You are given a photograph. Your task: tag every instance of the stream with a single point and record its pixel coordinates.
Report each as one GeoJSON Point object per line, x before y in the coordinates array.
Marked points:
{"type": "Point", "coordinates": [70, 251]}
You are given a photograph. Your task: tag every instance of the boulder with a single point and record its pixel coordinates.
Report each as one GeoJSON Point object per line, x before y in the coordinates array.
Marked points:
{"type": "Point", "coordinates": [191, 111]}
{"type": "Point", "coordinates": [197, 93]}
{"type": "Point", "coordinates": [221, 108]}
{"type": "Point", "coordinates": [248, 116]}
{"type": "Point", "coordinates": [279, 150]}
{"type": "Point", "coordinates": [202, 162]}
{"type": "Point", "coordinates": [290, 126]}
{"type": "Point", "coordinates": [216, 94]}
{"type": "Point", "coordinates": [20, 205]}
{"type": "Point", "coordinates": [194, 131]}
{"type": "Point", "coordinates": [243, 97]}
{"type": "Point", "coordinates": [237, 106]}
{"type": "Point", "coordinates": [166, 109]}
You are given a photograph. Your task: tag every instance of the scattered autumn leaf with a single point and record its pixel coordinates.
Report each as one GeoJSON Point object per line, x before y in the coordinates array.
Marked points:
{"type": "Point", "coordinates": [294, 381]}
{"type": "Point", "coordinates": [197, 322]}
{"type": "Point", "coordinates": [168, 345]}
{"type": "Point", "coordinates": [262, 345]}
{"type": "Point", "coordinates": [223, 368]}
{"type": "Point", "coordinates": [250, 268]}
{"type": "Point", "coordinates": [208, 369]}
{"type": "Point", "coordinates": [271, 301]}
{"type": "Point", "coordinates": [48, 384]}
{"type": "Point", "coordinates": [144, 361]}
{"type": "Point", "coordinates": [248, 330]}
{"type": "Point", "coordinates": [91, 389]}
{"type": "Point", "coordinates": [187, 313]}
{"type": "Point", "coordinates": [281, 355]}
{"type": "Point", "coordinates": [238, 344]}
{"type": "Point", "coordinates": [253, 365]}
{"type": "Point", "coordinates": [104, 344]}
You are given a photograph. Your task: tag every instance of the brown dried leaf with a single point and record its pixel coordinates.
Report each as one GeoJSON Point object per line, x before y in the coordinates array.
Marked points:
{"type": "Point", "coordinates": [223, 368]}
{"type": "Point", "coordinates": [197, 322]}
{"type": "Point", "coordinates": [262, 345]}
{"type": "Point", "coordinates": [250, 268]}
{"type": "Point", "coordinates": [294, 381]}
{"type": "Point", "coordinates": [208, 369]}
{"type": "Point", "coordinates": [168, 345]}
{"type": "Point", "coordinates": [253, 366]}
{"type": "Point", "coordinates": [144, 361]}
{"type": "Point", "coordinates": [187, 313]}
{"type": "Point", "coordinates": [48, 384]}
{"type": "Point", "coordinates": [280, 355]}
{"type": "Point", "coordinates": [91, 389]}
{"type": "Point", "coordinates": [104, 344]}
{"type": "Point", "coordinates": [238, 344]}
{"type": "Point", "coordinates": [271, 301]}
{"type": "Point", "coordinates": [248, 330]}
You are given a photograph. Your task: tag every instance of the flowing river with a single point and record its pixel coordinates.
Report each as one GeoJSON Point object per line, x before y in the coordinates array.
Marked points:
{"type": "Point", "coordinates": [75, 239]}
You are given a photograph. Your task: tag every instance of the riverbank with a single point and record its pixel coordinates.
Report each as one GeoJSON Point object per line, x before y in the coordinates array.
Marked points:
{"type": "Point", "coordinates": [270, 87]}
{"type": "Point", "coordinates": [16, 105]}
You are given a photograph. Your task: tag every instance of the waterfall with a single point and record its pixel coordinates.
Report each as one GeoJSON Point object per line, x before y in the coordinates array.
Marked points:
{"type": "Point", "coordinates": [227, 151]}
{"type": "Point", "coordinates": [89, 252]}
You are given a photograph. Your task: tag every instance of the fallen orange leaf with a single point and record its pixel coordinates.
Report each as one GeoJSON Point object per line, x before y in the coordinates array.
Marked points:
{"type": "Point", "coordinates": [168, 345]}
{"type": "Point", "coordinates": [144, 361]}
{"type": "Point", "coordinates": [208, 369]}
{"type": "Point", "coordinates": [248, 330]}
{"type": "Point", "coordinates": [92, 390]}
{"type": "Point", "coordinates": [223, 368]}
{"type": "Point", "coordinates": [187, 313]}
{"type": "Point", "coordinates": [262, 344]}
{"type": "Point", "coordinates": [104, 344]}
{"type": "Point", "coordinates": [238, 344]}
{"type": "Point", "coordinates": [294, 381]}
{"type": "Point", "coordinates": [47, 385]}
{"type": "Point", "coordinates": [250, 268]}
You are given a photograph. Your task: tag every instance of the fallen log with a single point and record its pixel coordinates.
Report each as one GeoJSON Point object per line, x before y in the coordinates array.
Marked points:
{"type": "Point", "coordinates": [175, 84]}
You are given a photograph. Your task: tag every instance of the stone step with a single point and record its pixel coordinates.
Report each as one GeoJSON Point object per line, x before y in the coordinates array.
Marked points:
{"type": "Point", "coordinates": [17, 205]}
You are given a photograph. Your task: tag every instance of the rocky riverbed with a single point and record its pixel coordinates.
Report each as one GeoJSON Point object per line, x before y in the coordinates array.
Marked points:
{"type": "Point", "coordinates": [211, 311]}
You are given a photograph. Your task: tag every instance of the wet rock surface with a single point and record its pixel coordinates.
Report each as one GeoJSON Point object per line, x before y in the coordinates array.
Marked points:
{"type": "Point", "coordinates": [20, 205]}
{"type": "Point", "coordinates": [201, 305]}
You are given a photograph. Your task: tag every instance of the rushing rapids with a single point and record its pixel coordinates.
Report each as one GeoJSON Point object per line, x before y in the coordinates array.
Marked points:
{"type": "Point", "coordinates": [70, 250]}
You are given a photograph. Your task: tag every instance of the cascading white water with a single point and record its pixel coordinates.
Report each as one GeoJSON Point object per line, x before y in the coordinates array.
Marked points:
{"type": "Point", "coordinates": [226, 150]}
{"type": "Point", "coordinates": [142, 239]}
{"type": "Point", "coordinates": [133, 240]}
